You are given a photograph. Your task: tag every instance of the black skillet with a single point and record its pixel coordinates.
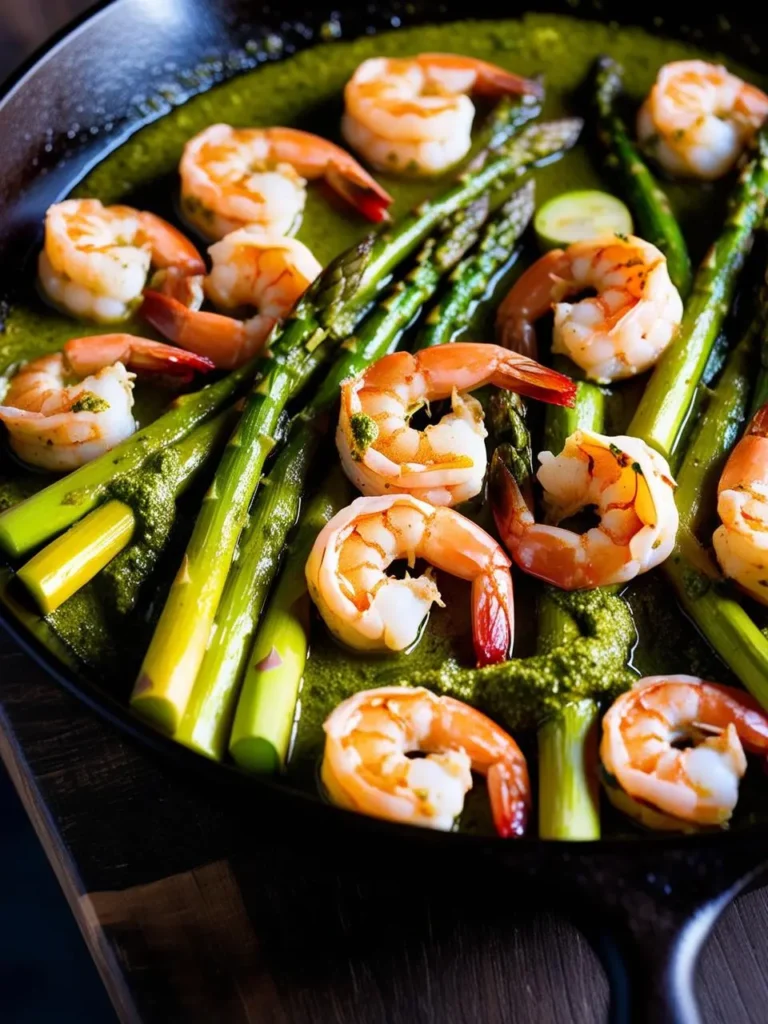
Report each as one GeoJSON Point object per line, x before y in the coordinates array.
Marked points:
{"type": "Point", "coordinates": [647, 904]}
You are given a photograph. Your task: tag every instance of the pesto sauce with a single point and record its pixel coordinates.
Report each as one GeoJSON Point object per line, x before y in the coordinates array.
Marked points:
{"type": "Point", "coordinates": [152, 496]}
{"type": "Point", "coordinates": [305, 91]}
{"type": "Point", "coordinates": [519, 694]}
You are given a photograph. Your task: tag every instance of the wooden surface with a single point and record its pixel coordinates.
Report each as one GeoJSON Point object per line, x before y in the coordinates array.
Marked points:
{"type": "Point", "coordinates": [196, 909]}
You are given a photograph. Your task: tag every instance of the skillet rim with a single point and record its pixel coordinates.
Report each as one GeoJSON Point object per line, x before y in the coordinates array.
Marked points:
{"type": "Point", "coordinates": [117, 714]}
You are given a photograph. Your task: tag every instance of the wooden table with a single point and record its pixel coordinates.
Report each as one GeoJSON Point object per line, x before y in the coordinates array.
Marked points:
{"type": "Point", "coordinates": [196, 909]}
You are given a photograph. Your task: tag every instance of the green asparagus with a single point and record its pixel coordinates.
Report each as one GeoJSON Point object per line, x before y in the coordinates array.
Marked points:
{"type": "Point", "coordinates": [667, 400]}
{"type": "Point", "coordinates": [568, 791]}
{"type": "Point", "coordinates": [655, 220]}
{"type": "Point", "coordinates": [265, 711]}
{"type": "Point", "coordinates": [471, 279]}
{"type": "Point", "coordinates": [128, 532]}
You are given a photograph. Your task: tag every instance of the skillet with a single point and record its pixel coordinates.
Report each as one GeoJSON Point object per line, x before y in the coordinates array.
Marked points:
{"type": "Point", "coordinates": [129, 62]}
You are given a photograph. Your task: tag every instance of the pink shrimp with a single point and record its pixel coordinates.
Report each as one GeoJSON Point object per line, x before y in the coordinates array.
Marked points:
{"type": "Point", "coordinates": [242, 177]}
{"type": "Point", "coordinates": [57, 424]}
{"type": "Point", "coordinates": [413, 115]}
{"type": "Point", "coordinates": [97, 258]}
{"type": "Point", "coordinates": [366, 767]}
{"type": "Point", "coordinates": [368, 610]}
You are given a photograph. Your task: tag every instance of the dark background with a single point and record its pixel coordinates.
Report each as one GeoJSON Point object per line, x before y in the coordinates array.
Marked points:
{"type": "Point", "coordinates": [46, 973]}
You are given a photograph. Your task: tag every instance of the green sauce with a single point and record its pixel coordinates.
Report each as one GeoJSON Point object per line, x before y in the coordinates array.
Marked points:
{"type": "Point", "coordinates": [648, 634]}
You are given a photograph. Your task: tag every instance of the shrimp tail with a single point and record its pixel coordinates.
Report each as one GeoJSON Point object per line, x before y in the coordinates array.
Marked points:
{"type": "Point", "coordinates": [360, 191]}
{"type": "Point", "coordinates": [490, 80]}
{"type": "Point", "coordinates": [508, 790]}
{"type": "Point", "coordinates": [510, 509]}
{"type": "Point", "coordinates": [493, 617]}
{"type": "Point", "coordinates": [86, 356]}
{"type": "Point", "coordinates": [758, 425]}
{"type": "Point", "coordinates": [224, 340]}
{"type": "Point", "coordinates": [528, 300]}
{"type": "Point", "coordinates": [518, 335]}
{"type": "Point", "coordinates": [526, 377]}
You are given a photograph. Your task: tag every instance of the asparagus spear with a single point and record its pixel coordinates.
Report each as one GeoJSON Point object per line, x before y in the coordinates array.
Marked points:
{"type": "Point", "coordinates": [331, 308]}
{"type": "Point", "coordinates": [261, 730]}
{"type": "Point", "coordinates": [507, 118]}
{"type": "Point", "coordinates": [691, 570]}
{"type": "Point", "coordinates": [69, 562]}
{"type": "Point", "coordinates": [204, 723]}
{"type": "Point", "coordinates": [181, 636]}
{"type": "Point", "coordinates": [665, 405]}
{"type": "Point", "coordinates": [569, 794]}
{"type": "Point", "coordinates": [473, 276]}
{"type": "Point", "coordinates": [32, 522]}
{"type": "Point", "coordinates": [649, 202]}
{"type": "Point", "coordinates": [568, 790]}
{"type": "Point", "coordinates": [72, 560]}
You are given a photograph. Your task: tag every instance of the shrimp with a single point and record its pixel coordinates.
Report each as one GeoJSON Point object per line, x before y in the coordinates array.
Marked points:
{"type": "Point", "coordinates": [366, 767]}
{"type": "Point", "coordinates": [414, 115]}
{"type": "Point", "coordinates": [741, 542]}
{"type": "Point", "coordinates": [250, 268]}
{"type": "Point", "coordinates": [632, 491]}
{"type": "Point", "coordinates": [58, 422]}
{"type": "Point", "coordinates": [96, 258]}
{"type": "Point", "coordinates": [621, 331]}
{"type": "Point", "coordinates": [236, 177]}
{"type": "Point", "coordinates": [445, 463]}
{"type": "Point", "coordinates": [700, 783]}
{"type": "Point", "coordinates": [698, 118]}
{"type": "Point", "coordinates": [369, 610]}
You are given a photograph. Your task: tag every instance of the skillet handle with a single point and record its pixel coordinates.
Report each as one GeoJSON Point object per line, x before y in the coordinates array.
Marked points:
{"type": "Point", "coordinates": [655, 922]}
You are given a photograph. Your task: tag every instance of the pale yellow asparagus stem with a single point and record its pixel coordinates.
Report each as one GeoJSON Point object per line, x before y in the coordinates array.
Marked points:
{"type": "Point", "coordinates": [70, 561]}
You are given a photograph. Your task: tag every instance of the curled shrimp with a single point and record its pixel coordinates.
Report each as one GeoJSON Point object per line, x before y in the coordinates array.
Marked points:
{"type": "Point", "coordinates": [366, 767]}
{"type": "Point", "coordinates": [237, 177]}
{"type": "Point", "coordinates": [741, 542]}
{"type": "Point", "coordinates": [698, 118]}
{"type": "Point", "coordinates": [445, 463]}
{"type": "Point", "coordinates": [631, 489]}
{"type": "Point", "coordinates": [368, 610]}
{"type": "Point", "coordinates": [96, 258]}
{"type": "Point", "coordinates": [640, 749]}
{"type": "Point", "coordinates": [64, 409]}
{"type": "Point", "coordinates": [414, 114]}
{"type": "Point", "coordinates": [621, 331]}
{"type": "Point", "coordinates": [250, 268]}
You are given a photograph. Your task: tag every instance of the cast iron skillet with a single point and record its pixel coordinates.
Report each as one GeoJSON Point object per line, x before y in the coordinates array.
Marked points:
{"type": "Point", "coordinates": [127, 63]}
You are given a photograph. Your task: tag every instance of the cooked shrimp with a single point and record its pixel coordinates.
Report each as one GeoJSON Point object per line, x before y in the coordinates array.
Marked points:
{"type": "Point", "coordinates": [700, 783]}
{"type": "Point", "coordinates": [97, 258]}
{"type": "Point", "coordinates": [741, 542]}
{"type": "Point", "coordinates": [366, 767]}
{"type": "Point", "coordinates": [414, 114]}
{"type": "Point", "coordinates": [631, 489]}
{"type": "Point", "coordinates": [236, 177]}
{"type": "Point", "coordinates": [621, 331]}
{"type": "Point", "coordinates": [698, 118]}
{"type": "Point", "coordinates": [445, 463]}
{"type": "Point", "coordinates": [366, 609]}
{"type": "Point", "coordinates": [59, 423]}
{"type": "Point", "coordinates": [250, 268]}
